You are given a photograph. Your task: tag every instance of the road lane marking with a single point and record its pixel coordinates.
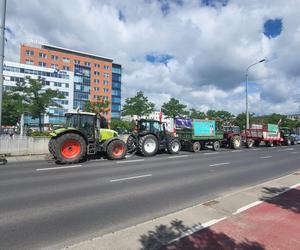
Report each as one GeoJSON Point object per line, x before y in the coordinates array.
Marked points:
{"type": "Point", "coordinates": [131, 178]}
{"type": "Point", "coordinates": [219, 164]}
{"type": "Point", "coordinates": [211, 153]}
{"type": "Point", "coordinates": [288, 149]}
{"type": "Point", "coordinates": [266, 157]}
{"type": "Point", "coordinates": [254, 149]}
{"type": "Point", "coordinates": [236, 151]}
{"type": "Point", "coordinates": [177, 156]}
{"type": "Point", "coordinates": [57, 168]}
{"type": "Point", "coordinates": [242, 209]}
{"type": "Point", "coordinates": [294, 152]}
{"type": "Point", "coordinates": [120, 162]}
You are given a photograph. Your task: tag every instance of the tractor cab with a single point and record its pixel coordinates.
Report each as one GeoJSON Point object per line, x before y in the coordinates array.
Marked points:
{"type": "Point", "coordinates": [231, 129]}
{"type": "Point", "coordinates": [152, 126]}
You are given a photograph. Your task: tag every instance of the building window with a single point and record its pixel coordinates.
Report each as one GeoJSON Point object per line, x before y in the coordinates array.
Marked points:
{"type": "Point", "coordinates": [42, 55]}
{"type": "Point", "coordinates": [66, 68]}
{"type": "Point", "coordinates": [105, 98]}
{"type": "Point", "coordinates": [96, 81]}
{"type": "Point", "coordinates": [54, 57]}
{"type": "Point", "coordinates": [29, 62]}
{"type": "Point", "coordinates": [97, 65]}
{"type": "Point", "coordinates": [105, 82]}
{"type": "Point", "coordinates": [42, 64]}
{"type": "Point", "coordinates": [105, 67]}
{"type": "Point", "coordinates": [29, 53]}
{"type": "Point", "coordinates": [66, 59]}
{"type": "Point", "coordinates": [77, 62]}
{"type": "Point", "coordinates": [97, 97]}
{"type": "Point", "coordinates": [106, 75]}
{"type": "Point", "coordinates": [87, 64]}
{"type": "Point", "coordinates": [67, 85]}
{"type": "Point", "coordinates": [57, 84]}
{"type": "Point", "coordinates": [54, 66]}
{"type": "Point", "coordinates": [96, 73]}
{"type": "Point", "coordinates": [105, 90]}
{"type": "Point", "coordinates": [96, 89]}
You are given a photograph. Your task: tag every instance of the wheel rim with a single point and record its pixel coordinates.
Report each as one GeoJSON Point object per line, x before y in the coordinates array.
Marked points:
{"type": "Point", "coordinates": [175, 146]}
{"type": "Point", "coordinates": [118, 150]}
{"type": "Point", "coordinates": [70, 149]}
{"type": "Point", "coordinates": [196, 147]}
{"type": "Point", "coordinates": [150, 145]}
{"type": "Point", "coordinates": [237, 143]}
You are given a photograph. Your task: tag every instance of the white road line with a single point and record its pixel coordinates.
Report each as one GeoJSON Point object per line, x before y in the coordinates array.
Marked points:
{"type": "Point", "coordinates": [211, 153]}
{"type": "Point", "coordinates": [294, 152]}
{"type": "Point", "coordinates": [177, 156]}
{"type": "Point", "coordinates": [254, 149]}
{"type": "Point", "coordinates": [288, 149]}
{"type": "Point", "coordinates": [242, 209]}
{"type": "Point", "coordinates": [219, 164]}
{"type": "Point", "coordinates": [56, 168]}
{"type": "Point", "coordinates": [266, 157]}
{"type": "Point", "coordinates": [235, 151]}
{"type": "Point", "coordinates": [121, 162]}
{"type": "Point", "coordinates": [131, 178]}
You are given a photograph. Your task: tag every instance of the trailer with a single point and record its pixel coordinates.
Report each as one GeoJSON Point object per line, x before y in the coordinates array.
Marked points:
{"type": "Point", "coordinates": [269, 134]}
{"type": "Point", "coordinates": [195, 134]}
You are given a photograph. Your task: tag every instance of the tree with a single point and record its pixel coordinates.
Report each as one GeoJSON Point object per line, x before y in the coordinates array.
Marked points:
{"type": "Point", "coordinates": [240, 120]}
{"type": "Point", "coordinates": [194, 114]}
{"type": "Point", "coordinates": [173, 108]}
{"type": "Point", "coordinates": [12, 108]}
{"type": "Point", "coordinates": [138, 105]}
{"type": "Point", "coordinates": [37, 99]}
{"type": "Point", "coordinates": [102, 107]}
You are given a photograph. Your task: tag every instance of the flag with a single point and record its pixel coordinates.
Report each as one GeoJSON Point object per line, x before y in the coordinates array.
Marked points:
{"type": "Point", "coordinates": [160, 115]}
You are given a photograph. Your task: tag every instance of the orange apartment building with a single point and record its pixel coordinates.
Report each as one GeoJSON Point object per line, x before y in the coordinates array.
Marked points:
{"type": "Point", "coordinates": [93, 74]}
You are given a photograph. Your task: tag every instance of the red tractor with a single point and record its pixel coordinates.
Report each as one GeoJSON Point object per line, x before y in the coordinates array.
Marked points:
{"type": "Point", "coordinates": [232, 137]}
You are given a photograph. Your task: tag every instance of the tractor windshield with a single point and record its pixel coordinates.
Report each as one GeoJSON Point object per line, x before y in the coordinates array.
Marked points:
{"type": "Point", "coordinates": [72, 121]}
{"type": "Point", "coordinates": [151, 126]}
{"type": "Point", "coordinates": [234, 129]}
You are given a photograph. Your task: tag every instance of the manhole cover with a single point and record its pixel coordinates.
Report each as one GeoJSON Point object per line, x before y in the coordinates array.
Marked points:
{"type": "Point", "coordinates": [210, 203]}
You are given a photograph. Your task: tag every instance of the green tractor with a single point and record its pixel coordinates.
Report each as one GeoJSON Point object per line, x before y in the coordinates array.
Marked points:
{"type": "Point", "coordinates": [82, 136]}
{"type": "Point", "coordinates": [151, 136]}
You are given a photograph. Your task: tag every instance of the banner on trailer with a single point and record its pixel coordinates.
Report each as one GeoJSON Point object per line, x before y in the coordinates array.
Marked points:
{"type": "Point", "coordinates": [183, 123]}
{"type": "Point", "coordinates": [204, 128]}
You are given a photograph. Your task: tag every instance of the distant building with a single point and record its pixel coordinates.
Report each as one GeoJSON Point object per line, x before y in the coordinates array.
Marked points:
{"type": "Point", "coordinates": [96, 78]}
{"type": "Point", "coordinates": [63, 81]}
{"type": "Point", "coordinates": [294, 116]}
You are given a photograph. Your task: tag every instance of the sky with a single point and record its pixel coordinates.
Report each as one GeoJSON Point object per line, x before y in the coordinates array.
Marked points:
{"type": "Point", "coordinates": [194, 50]}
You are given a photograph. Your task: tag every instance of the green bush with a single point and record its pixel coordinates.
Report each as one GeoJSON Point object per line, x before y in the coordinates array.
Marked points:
{"type": "Point", "coordinates": [38, 133]}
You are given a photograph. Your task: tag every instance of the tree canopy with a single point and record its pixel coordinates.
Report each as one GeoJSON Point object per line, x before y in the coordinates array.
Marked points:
{"type": "Point", "coordinates": [12, 108]}
{"type": "Point", "coordinates": [102, 107]}
{"type": "Point", "coordinates": [138, 105]}
{"type": "Point", "coordinates": [173, 108]}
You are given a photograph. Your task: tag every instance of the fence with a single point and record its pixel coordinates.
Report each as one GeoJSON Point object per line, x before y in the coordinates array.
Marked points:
{"type": "Point", "coordinates": [23, 145]}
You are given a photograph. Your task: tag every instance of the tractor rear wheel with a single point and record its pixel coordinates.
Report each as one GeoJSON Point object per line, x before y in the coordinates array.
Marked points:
{"type": "Point", "coordinates": [174, 146]}
{"type": "Point", "coordinates": [148, 145]}
{"type": "Point", "coordinates": [70, 148]}
{"type": "Point", "coordinates": [116, 150]}
{"type": "Point", "coordinates": [216, 146]}
{"type": "Point", "coordinates": [235, 142]}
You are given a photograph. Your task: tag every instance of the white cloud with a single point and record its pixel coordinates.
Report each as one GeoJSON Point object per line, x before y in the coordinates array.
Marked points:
{"type": "Point", "coordinates": [211, 47]}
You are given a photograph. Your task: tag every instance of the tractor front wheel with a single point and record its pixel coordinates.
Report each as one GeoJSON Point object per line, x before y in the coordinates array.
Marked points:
{"type": "Point", "coordinates": [70, 148]}
{"type": "Point", "coordinates": [116, 150]}
{"type": "Point", "coordinates": [250, 143]}
{"type": "Point", "coordinates": [174, 146]}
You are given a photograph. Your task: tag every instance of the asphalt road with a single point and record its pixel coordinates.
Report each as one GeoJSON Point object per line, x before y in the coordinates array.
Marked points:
{"type": "Point", "coordinates": [47, 205]}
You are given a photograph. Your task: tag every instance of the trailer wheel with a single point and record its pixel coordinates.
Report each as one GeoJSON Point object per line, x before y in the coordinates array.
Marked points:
{"type": "Point", "coordinates": [216, 146]}
{"type": "Point", "coordinates": [131, 144]}
{"type": "Point", "coordinates": [250, 143]}
{"type": "Point", "coordinates": [235, 142]}
{"type": "Point", "coordinates": [196, 147]}
{"type": "Point", "coordinates": [148, 145]}
{"type": "Point", "coordinates": [174, 146]}
{"type": "Point", "coordinates": [70, 148]}
{"type": "Point", "coordinates": [116, 150]}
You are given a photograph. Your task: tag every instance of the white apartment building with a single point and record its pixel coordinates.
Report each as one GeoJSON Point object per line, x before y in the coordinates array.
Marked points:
{"type": "Point", "coordinates": [63, 81]}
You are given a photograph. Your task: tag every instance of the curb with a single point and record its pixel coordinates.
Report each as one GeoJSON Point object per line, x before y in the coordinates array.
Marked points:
{"type": "Point", "coordinates": [18, 158]}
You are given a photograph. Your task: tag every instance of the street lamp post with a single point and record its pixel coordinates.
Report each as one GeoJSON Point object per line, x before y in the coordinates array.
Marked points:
{"type": "Point", "coordinates": [247, 110]}
{"type": "Point", "coordinates": [2, 41]}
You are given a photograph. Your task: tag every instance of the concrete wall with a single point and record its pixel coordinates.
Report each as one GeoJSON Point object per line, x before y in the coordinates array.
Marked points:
{"type": "Point", "coordinates": [23, 145]}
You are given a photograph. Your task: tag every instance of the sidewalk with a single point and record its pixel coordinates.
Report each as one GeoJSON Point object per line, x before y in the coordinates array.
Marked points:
{"type": "Point", "coordinates": [264, 216]}
{"type": "Point", "coordinates": [274, 224]}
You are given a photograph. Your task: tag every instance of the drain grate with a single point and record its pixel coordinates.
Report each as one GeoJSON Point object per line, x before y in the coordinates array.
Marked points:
{"type": "Point", "coordinates": [210, 203]}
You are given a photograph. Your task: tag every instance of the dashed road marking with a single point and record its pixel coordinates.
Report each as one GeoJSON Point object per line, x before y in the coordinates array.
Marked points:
{"type": "Point", "coordinates": [121, 162]}
{"type": "Point", "coordinates": [266, 157]}
{"type": "Point", "coordinates": [177, 156]}
{"type": "Point", "coordinates": [219, 164]}
{"type": "Point", "coordinates": [235, 151]}
{"type": "Point", "coordinates": [294, 152]}
{"type": "Point", "coordinates": [211, 153]}
{"type": "Point", "coordinates": [57, 168]}
{"type": "Point", "coordinates": [254, 149]}
{"type": "Point", "coordinates": [131, 178]}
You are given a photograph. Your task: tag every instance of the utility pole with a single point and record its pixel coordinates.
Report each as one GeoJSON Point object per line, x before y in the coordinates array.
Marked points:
{"type": "Point", "coordinates": [2, 42]}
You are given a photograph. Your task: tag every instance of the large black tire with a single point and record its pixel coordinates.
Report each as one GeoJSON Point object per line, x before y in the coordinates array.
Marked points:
{"type": "Point", "coordinates": [131, 144]}
{"type": "Point", "coordinates": [148, 145]}
{"type": "Point", "coordinates": [116, 150]}
{"type": "Point", "coordinates": [195, 147]}
{"type": "Point", "coordinates": [250, 143]}
{"type": "Point", "coordinates": [174, 146]}
{"type": "Point", "coordinates": [257, 143]}
{"type": "Point", "coordinates": [216, 146]}
{"type": "Point", "coordinates": [287, 142]}
{"type": "Point", "coordinates": [235, 142]}
{"type": "Point", "coordinates": [51, 146]}
{"type": "Point", "coordinates": [70, 148]}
